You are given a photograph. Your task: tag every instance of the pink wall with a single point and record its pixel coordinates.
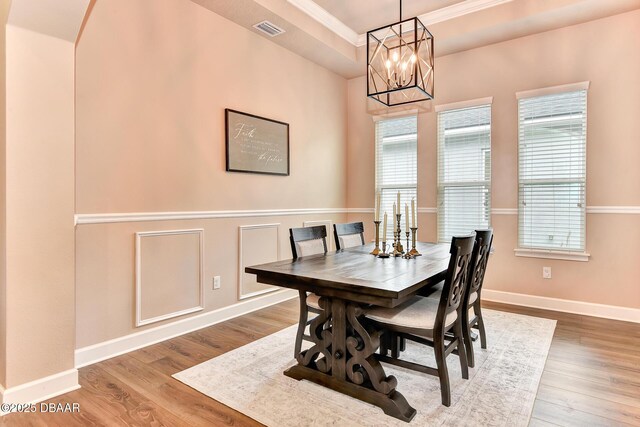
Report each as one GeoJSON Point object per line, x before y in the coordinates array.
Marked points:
{"type": "Point", "coordinates": [603, 52]}
{"type": "Point", "coordinates": [153, 80]}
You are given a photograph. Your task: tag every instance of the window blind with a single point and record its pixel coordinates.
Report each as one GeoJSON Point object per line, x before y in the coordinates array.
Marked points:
{"type": "Point", "coordinates": [552, 171]}
{"type": "Point", "coordinates": [464, 171]}
{"type": "Point", "coordinates": [396, 165]}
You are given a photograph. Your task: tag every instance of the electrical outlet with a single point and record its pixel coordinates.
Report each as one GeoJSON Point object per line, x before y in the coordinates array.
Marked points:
{"type": "Point", "coordinates": [216, 282]}
{"type": "Point", "coordinates": [546, 272]}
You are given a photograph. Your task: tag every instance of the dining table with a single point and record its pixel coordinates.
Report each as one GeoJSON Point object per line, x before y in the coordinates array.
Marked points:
{"type": "Point", "coordinates": [342, 355]}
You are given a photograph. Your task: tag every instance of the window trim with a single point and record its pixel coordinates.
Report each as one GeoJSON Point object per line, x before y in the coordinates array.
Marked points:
{"type": "Point", "coordinates": [582, 256]}
{"type": "Point", "coordinates": [552, 90]}
{"type": "Point", "coordinates": [552, 254]}
{"type": "Point", "coordinates": [478, 102]}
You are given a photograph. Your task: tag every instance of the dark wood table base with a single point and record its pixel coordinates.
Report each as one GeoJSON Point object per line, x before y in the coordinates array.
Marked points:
{"type": "Point", "coordinates": [394, 404]}
{"type": "Point", "coordinates": [342, 358]}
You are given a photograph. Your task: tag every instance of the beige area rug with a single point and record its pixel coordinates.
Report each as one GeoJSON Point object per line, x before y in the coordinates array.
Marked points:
{"type": "Point", "coordinates": [500, 391]}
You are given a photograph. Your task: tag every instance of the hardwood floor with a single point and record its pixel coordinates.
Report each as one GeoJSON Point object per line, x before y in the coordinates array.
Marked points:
{"type": "Point", "coordinates": [592, 376]}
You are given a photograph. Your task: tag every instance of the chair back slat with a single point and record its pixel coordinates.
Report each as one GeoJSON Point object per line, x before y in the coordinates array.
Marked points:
{"type": "Point", "coordinates": [302, 234]}
{"type": "Point", "coordinates": [479, 259]}
{"type": "Point", "coordinates": [456, 278]}
{"type": "Point", "coordinates": [346, 230]}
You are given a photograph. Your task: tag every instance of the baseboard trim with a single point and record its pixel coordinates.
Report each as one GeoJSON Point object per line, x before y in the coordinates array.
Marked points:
{"type": "Point", "coordinates": [117, 346]}
{"type": "Point", "coordinates": [613, 312]}
{"type": "Point", "coordinates": [41, 389]}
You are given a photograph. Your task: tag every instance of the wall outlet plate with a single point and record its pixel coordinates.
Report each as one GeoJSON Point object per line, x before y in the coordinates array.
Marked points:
{"type": "Point", "coordinates": [216, 282]}
{"type": "Point", "coordinates": [546, 272]}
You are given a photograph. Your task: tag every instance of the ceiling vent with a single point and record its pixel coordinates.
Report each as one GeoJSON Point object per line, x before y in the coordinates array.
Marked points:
{"type": "Point", "coordinates": [269, 28]}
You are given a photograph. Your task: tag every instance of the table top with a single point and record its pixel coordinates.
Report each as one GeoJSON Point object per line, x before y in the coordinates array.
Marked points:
{"type": "Point", "coordinates": [353, 274]}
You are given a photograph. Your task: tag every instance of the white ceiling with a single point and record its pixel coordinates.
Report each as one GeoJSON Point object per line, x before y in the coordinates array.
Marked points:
{"type": "Point", "coordinates": [364, 15]}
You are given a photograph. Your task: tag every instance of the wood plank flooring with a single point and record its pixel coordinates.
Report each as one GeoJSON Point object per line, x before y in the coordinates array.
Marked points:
{"type": "Point", "coordinates": [592, 376]}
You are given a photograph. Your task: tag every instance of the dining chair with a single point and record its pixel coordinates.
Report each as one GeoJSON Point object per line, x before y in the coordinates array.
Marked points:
{"type": "Point", "coordinates": [348, 235]}
{"type": "Point", "coordinates": [429, 321]}
{"type": "Point", "coordinates": [477, 267]}
{"type": "Point", "coordinates": [307, 241]}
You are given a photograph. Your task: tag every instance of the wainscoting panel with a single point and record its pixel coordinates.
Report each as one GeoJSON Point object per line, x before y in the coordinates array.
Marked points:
{"type": "Point", "coordinates": [258, 244]}
{"type": "Point", "coordinates": [329, 226]}
{"type": "Point", "coordinates": [169, 274]}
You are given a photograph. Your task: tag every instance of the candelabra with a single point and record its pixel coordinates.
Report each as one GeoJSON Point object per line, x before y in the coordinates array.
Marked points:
{"type": "Point", "coordinates": [384, 253]}
{"type": "Point", "coordinates": [376, 250]}
{"type": "Point", "coordinates": [398, 249]}
{"type": "Point", "coordinates": [414, 252]}
{"type": "Point", "coordinates": [407, 255]}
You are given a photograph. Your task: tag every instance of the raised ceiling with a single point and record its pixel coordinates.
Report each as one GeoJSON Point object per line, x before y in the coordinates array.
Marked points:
{"type": "Point", "coordinates": [364, 15]}
{"type": "Point", "coordinates": [331, 33]}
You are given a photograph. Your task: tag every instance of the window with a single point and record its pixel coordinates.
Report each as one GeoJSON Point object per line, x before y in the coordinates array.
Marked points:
{"type": "Point", "coordinates": [552, 171]}
{"type": "Point", "coordinates": [464, 171]}
{"type": "Point", "coordinates": [396, 165]}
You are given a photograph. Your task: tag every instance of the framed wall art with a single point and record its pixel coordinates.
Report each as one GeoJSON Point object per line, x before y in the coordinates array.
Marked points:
{"type": "Point", "coordinates": [256, 144]}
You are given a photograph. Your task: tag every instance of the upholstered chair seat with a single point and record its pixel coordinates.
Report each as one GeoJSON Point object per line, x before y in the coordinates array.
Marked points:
{"type": "Point", "coordinates": [313, 300]}
{"type": "Point", "coordinates": [417, 313]}
{"type": "Point", "coordinates": [473, 297]}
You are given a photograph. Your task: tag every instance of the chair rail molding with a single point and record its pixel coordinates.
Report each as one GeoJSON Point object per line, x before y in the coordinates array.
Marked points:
{"type": "Point", "coordinates": [613, 210]}
{"type": "Point", "coordinates": [107, 218]}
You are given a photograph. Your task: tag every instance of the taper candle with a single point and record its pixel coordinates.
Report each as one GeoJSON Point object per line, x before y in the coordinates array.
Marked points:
{"type": "Point", "coordinates": [413, 212]}
{"type": "Point", "coordinates": [384, 232]}
{"type": "Point", "coordinates": [378, 206]}
{"type": "Point", "coordinates": [406, 217]}
{"type": "Point", "coordinates": [398, 202]}
{"type": "Point", "coordinates": [394, 211]}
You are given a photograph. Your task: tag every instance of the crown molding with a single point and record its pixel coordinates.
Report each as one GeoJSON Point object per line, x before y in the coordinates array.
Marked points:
{"type": "Point", "coordinates": [458, 9]}
{"type": "Point", "coordinates": [332, 23]}
{"type": "Point", "coordinates": [312, 9]}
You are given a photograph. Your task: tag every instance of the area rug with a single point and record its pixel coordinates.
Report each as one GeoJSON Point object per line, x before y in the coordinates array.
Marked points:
{"type": "Point", "coordinates": [501, 389]}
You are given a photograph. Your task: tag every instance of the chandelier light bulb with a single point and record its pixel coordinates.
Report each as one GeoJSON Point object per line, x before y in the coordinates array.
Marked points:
{"type": "Point", "coordinates": [395, 56]}
{"type": "Point", "coordinates": [388, 64]}
{"type": "Point", "coordinates": [404, 66]}
{"type": "Point", "coordinates": [413, 58]}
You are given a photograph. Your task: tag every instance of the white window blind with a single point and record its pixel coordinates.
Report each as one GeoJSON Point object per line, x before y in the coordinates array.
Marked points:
{"type": "Point", "coordinates": [464, 171]}
{"type": "Point", "coordinates": [396, 165]}
{"type": "Point", "coordinates": [552, 171]}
